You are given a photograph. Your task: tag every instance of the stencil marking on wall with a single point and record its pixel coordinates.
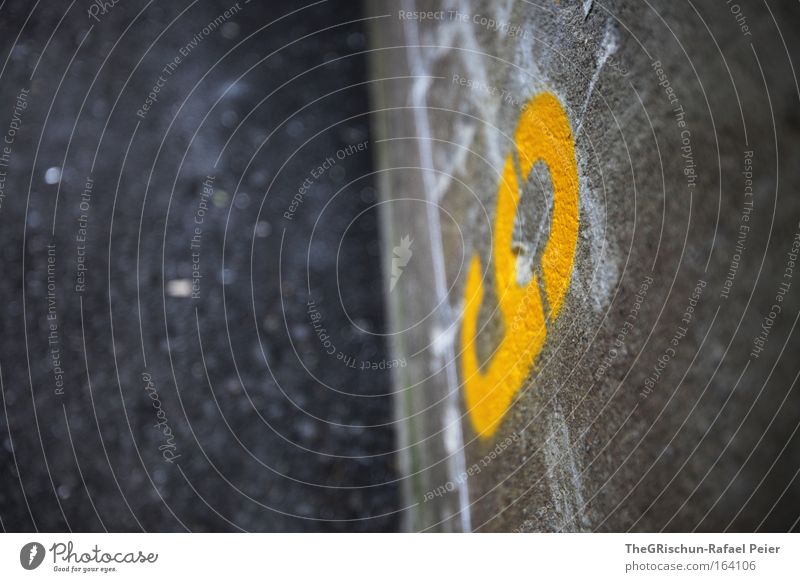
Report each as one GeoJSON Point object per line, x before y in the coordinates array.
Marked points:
{"type": "Point", "coordinates": [543, 134]}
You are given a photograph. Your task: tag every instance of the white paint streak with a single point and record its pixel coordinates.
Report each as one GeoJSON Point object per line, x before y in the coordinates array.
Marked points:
{"type": "Point", "coordinates": [587, 8]}
{"type": "Point", "coordinates": [608, 47]}
{"type": "Point", "coordinates": [443, 340]}
{"type": "Point", "coordinates": [453, 436]}
{"type": "Point", "coordinates": [563, 475]}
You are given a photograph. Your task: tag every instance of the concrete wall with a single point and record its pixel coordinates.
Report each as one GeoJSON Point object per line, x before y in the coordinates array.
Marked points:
{"type": "Point", "coordinates": [627, 380]}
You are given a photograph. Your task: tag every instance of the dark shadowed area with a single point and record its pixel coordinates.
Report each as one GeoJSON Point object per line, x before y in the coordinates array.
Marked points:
{"type": "Point", "coordinates": [176, 353]}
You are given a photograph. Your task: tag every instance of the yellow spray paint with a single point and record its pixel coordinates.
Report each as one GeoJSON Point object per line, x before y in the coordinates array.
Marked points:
{"type": "Point", "coordinates": [543, 134]}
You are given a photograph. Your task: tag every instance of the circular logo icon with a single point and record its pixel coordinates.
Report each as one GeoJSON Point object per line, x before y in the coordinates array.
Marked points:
{"type": "Point", "coordinates": [31, 555]}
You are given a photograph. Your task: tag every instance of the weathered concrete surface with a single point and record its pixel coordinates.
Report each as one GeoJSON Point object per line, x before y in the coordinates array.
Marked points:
{"type": "Point", "coordinates": [664, 101]}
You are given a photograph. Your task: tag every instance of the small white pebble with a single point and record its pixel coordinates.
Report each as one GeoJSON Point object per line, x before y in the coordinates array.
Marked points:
{"type": "Point", "coordinates": [179, 288]}
{"type": "Point", "coordinates": [52, 175]}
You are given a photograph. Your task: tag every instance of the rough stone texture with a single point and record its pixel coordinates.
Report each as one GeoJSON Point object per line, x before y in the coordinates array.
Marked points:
{"type": "Point", "coordinates": [713, 445]}
{"type": "Point", "coordinates": [273, 433]}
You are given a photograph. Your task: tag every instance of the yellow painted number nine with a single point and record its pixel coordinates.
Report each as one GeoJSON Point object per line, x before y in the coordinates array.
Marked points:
{"type": "Point", "coordinates": [542, 134]}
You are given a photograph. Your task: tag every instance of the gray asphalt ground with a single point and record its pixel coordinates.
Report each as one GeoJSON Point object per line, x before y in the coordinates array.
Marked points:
{"type": "Point", "coordinates": [183, 329]}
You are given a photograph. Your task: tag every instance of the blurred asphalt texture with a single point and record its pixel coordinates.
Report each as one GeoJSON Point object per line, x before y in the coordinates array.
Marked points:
{"type": "Point", "coordinates": [264, 443]}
